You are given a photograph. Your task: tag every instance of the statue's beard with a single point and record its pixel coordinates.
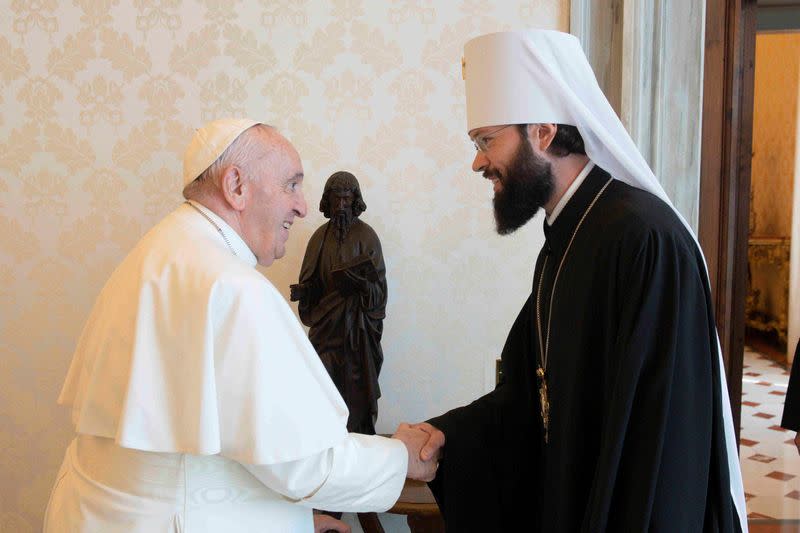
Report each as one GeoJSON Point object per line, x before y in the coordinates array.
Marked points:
{"type": "Point", "coordinates": [342, 220]}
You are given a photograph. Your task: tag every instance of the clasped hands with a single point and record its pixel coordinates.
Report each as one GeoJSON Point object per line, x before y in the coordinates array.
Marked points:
{"type": "Point", "coordinates": [424, 444]}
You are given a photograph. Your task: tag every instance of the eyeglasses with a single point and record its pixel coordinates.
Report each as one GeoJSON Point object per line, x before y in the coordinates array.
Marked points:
{"type": "Point", "coordinates": [481, 142]}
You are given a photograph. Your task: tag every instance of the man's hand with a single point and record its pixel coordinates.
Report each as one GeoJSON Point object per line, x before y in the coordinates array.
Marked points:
{"type": "Point", "coordinates": [797, 441]}
{"type": "Point", "coordinates": [415, 439]}
{"type": "Point", "coordinates": [432, 448]}
{"type": "Point", "coordinates": [323, 523]}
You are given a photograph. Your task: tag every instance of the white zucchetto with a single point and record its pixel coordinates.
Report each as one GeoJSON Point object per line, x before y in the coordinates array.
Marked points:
{"type": "Point", "coordinates": [209, 142]}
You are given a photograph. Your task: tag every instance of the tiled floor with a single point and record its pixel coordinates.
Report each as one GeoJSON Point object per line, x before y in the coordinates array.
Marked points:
{"type": "Point", "coordinates": [770, 462]}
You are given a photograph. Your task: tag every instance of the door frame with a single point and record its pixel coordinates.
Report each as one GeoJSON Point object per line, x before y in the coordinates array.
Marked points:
{"type": "Point", "coordinates": [727, 133]}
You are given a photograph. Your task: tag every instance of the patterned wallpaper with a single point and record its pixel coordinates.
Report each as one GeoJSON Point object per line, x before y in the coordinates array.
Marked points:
{"type": "Point", "coordinates": [97, 101]}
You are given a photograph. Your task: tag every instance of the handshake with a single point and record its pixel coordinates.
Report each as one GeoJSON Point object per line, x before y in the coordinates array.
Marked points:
{"type": "Point", "coordinates": [424, 444]}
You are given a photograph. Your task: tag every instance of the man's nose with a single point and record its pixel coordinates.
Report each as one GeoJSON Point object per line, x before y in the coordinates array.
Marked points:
{"type": "Point", "coordinates": [301, 208]}
{"type": "Point", "coordinates": [480, 162]}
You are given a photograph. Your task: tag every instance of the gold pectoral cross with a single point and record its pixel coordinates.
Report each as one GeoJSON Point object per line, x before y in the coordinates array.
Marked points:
{"type": "Point", "coordinates": [544, 401]}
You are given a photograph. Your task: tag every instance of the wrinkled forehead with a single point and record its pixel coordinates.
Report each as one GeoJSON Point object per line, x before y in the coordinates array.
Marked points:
{"type": "Point", "coordinates": [292, 153]}
{"type": "Point", "coordinates": [280, 152]}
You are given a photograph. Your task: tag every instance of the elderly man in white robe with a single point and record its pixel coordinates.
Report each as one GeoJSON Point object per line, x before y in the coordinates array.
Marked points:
{"type": "Point", "coordinates": [198, 402]}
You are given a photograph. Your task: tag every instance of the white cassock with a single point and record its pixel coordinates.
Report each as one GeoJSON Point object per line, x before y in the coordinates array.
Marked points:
{"type": "Point", "coordinates": [200, 405]}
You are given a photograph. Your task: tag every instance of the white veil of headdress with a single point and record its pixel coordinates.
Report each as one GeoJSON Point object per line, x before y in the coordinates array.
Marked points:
{"type": "Point", "coordinates": [543, 76]}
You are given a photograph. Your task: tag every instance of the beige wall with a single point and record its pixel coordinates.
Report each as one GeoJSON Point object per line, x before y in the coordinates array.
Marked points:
{"type": "Point", "coordinates": [775, 119]}
{"type": "Point", "coordinates": [794, 274]}
{"type": "Point", "coordinates": [774, 132]}
{"type": "Point", "coordinates": [97, 100]}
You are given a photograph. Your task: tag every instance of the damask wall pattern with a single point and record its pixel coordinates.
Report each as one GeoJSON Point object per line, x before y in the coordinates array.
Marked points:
{"type": "Point", "coordinates": [98, 99]}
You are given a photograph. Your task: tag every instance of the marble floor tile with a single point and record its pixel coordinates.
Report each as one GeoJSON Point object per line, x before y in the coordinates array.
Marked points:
{"type": "Point", "coordinates": [769, 458]}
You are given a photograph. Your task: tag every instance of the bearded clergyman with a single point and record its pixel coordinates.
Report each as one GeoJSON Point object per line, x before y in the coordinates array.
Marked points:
{"type": "Point", "coordinates": [342, 299]}
{"type": "Point", "coordinates": [612, 411]}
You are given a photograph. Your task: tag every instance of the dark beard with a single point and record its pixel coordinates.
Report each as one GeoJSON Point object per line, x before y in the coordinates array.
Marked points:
{"type": "Point", "coordinates": [342, 220]}
{"type": "Point", "coordinates": [526, 187]}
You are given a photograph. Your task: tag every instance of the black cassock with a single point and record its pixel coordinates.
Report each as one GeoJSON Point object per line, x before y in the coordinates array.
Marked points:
{"type": "Point", "coordinates": [636, 438]}
{"type": "Point", "coordinates": [791, 406]}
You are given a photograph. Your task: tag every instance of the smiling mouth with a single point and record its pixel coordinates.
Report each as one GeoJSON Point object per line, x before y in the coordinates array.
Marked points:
{"type": "Point", "coordinates": [287, 225]}
{"type": "Point", "coordinates": [495, 179]}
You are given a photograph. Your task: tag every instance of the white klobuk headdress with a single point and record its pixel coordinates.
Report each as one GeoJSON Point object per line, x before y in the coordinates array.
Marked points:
{"type": "Point", "coordinates": [543, 76]}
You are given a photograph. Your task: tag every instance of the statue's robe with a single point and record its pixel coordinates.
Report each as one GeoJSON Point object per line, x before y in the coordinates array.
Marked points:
{"type": "Point", "coordinates": [345, 316]}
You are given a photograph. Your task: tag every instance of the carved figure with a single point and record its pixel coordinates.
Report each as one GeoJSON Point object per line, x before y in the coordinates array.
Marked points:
{"type": "Point", "coordinates": [342, 299]}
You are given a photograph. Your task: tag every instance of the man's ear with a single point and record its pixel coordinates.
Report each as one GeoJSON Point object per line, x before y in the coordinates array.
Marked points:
{"type": "Point", "coordinates": [544, 135]}
{"type": "Point", "coordinates": [234, 187]}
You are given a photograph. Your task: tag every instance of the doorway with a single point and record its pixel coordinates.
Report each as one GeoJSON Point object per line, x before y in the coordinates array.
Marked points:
{"type": "Point", "coordinates": [744, 231]}
{"type": "Point", "coordinates": [770, 462]}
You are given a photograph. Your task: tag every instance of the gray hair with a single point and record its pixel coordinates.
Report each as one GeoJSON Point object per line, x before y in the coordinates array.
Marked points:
{"type": "Point", "coordinates": [242, 151]}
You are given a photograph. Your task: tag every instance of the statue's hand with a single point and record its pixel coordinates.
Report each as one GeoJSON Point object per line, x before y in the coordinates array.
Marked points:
{"type": "Point", "coordinates": [298, 291]}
